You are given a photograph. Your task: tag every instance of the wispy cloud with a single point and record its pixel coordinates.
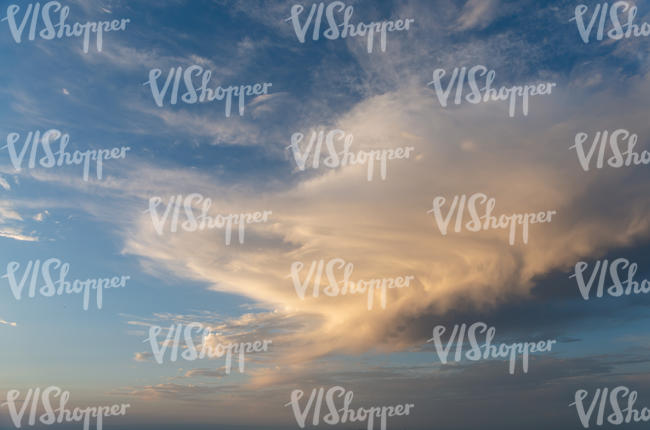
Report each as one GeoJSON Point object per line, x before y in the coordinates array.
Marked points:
{"type": "Point", "coordinates": [478, 13]}
{"type": "Point", "coordinates": [16, 234]}
{"type": "Point", "coordinates": [12, 324]}
{"type": "Point", "coordinates": [142, 356]}
{"type": "Point", "coordinates": [4, 184]}
{"type": "Point", "coordinates": [39, 217]}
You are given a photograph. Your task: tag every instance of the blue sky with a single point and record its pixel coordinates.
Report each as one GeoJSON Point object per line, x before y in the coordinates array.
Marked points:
{"type": "Point", "coordinates": [243, 164]}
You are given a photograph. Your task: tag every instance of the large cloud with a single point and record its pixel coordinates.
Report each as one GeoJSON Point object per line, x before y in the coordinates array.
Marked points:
{"type": "Point", "coordinates": [382, 226]}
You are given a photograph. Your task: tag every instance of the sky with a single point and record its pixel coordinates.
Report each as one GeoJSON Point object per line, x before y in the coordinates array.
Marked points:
{"type": "Point", "coordinates": [244, 292]}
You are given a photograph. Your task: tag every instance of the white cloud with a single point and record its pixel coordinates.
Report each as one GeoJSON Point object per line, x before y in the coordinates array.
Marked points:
{"type": "Point", "coordinates": [7, 212]}
{"type": "Point", "coordinates": [143, 356]}
{"type": "Point", "coordinates": [4, 184]}
{"type": "Point", "coordinates": [340, 214]}
{"type": "Point", "coordinates": [12, 324]}
{"type": "Point", "coordinates": [41, 216]}
{"type": "Point", "coordinates": [382, 227]}
{"type": "Point", "coordinates": [17, 234]}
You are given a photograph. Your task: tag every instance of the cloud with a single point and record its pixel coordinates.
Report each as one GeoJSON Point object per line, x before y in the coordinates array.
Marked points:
{"type": "Point", "coordinates": [16, 234]}
{"type": "Point", "coordinates": [434, 389]}
{"type": "Point", "coordinates": [276, 327]}
{"type": "Point", "coordinates": [10, 222]}
{"type": "Point", "coordinates": [339, 214]}
{"type": "Point", "coordinates": [7, 212]}
{"type": "Point", "coordinates": [170, 391]}
{"type": "Point", "coordinates": [12, 324]}
{"type": "Point", "coordinates": [478, 14]}
{"type": "Point", "coordinates": [382, 226]}
{"type": "Point", "coordinates": [4, 184]}
{"type": "Point", "coordinates": [40, 216]}
{"type": "Point", "coordinates": [143, 356]}
{"type": "Point", "coordinates": [212, 373]}
{"type": "Point", "coordinates": [349, 219]}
